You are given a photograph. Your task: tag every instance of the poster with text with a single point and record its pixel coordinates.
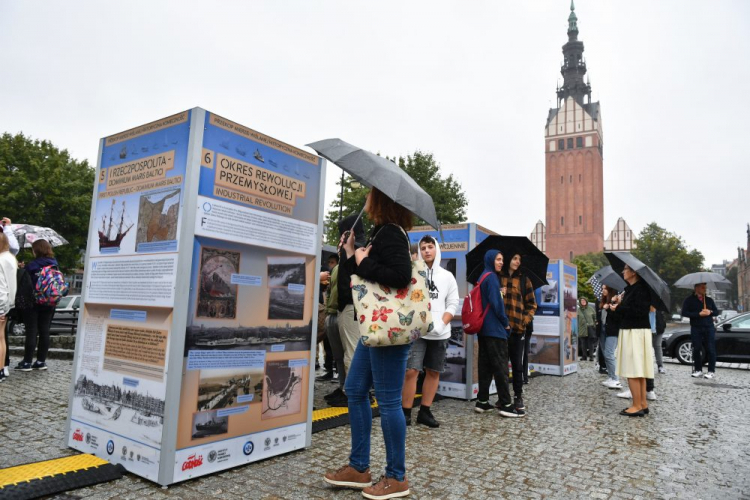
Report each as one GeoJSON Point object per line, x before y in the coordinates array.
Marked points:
{"type": "Point", "coordinates": [570, 308]}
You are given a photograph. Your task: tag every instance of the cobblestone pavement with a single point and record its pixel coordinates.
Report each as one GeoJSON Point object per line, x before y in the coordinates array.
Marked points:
{"type": "Point", "coordinates": [572, 444]}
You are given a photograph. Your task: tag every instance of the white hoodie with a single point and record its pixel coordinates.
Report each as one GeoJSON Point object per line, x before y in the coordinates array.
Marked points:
{"type": "Point", "coordinates": [443, 297]}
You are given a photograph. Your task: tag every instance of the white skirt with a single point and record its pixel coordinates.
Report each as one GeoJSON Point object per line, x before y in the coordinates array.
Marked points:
{"type": "Point", "coordinates": [635, 353]}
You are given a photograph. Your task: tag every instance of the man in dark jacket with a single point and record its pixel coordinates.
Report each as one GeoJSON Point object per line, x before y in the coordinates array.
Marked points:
{"type": "Point", "coordinates": [701, 310]}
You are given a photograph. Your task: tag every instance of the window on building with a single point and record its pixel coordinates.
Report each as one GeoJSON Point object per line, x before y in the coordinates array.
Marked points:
{"type": "Point", "coordinates": [570, 143]}
{"type": "Point", "coordinates": [562, 179]}
{"type": "Point", "coordinates": [579, 142]}
{"type": "Point", "coordinates": [562, 221]}
{"type": "Point", "coordinates": [580, 220]}
{"type": "Point", "coordinates": [571, 256]}
{"type": "Point", "coordinates": [580, 177]}
{"type": "Point", "coordinates": [571, 179]}
{"type": "Point", "coordinates": [561, 144]}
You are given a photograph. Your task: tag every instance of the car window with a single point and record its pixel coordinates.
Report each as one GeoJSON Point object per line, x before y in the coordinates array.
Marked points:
{"type": "Point", "coordinates": [77, 302]}
{"type": "Point", "coordinates": [742, 323]}
{"type": "Point", "coordinates": [64, 302]}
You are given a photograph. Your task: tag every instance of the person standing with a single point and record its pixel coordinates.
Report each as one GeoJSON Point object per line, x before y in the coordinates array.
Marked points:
{"type": "Point", "coordinates": [520, 306]}
{"type": "Point", "coordinates": [386, 261]}
{"type": "Point", "coordinates": [337, 398]}
{"type": "Point", "coordinates": [8, 269]}
{"type": "Point", "coordinates": [635, 359]}
{"type": "Point", "coordinates": [428, 352]}
{"type": "Point", "coordinates": [609, 323]}
{"type": "Point", "coordinates": [40, 318]}
{"type": "Point", "coordinates": [701, 310]}
{"type": "Point", "coordinates": [586, 329]}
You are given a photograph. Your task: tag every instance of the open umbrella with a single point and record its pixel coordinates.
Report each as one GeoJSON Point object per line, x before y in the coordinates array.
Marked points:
{"type": "Point", "coordinates": [713, 281]}
{"type": "Point", "coordinates": [533, 261]}
{"type": "Point", "coordinates": [606, 276]}
{"type": "Point", "coordinates": [375, 171]}
{"type": "Point", "coordinates": [620, 259]}
{"type": "Point", "coordinates": [26, 234]}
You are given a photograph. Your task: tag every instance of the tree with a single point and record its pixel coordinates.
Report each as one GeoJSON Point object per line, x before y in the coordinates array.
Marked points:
{"type": "Point", "coordinates": [588, 264]}
{"type": "Point", "coordinates": [669, 257]}
{"type": "Point", "coordinates": [42, 185]}
{"type": "Point", "coordinates": [450, 200]}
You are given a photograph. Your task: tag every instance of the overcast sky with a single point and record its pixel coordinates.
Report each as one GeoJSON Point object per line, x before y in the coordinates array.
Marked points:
{"type": "Point", "coordinates": [470, 82]}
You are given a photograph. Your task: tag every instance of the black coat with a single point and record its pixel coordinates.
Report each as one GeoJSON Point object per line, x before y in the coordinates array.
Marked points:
{"type": "Point", "coordinates": [633, 310]}
{"type": "Point", "coordinates": [389, 262]}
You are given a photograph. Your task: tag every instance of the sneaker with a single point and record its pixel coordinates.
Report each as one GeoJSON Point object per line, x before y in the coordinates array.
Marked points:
{"type": "Point", "coordinates": [39, 365]}
{"type": "Point", "coordinates": [613, 384]}
{"type": "Point", "coordinates": [709, 375]}
{"type": "Point", "coordinates": [337, 393]}
{"type": "Point", "coordinates": [697, 374]}
{"type": "Point", "coordinates": [425, 417]}
{"type": "Point", "coordinates": [651, 396]}
{"type": "Point", "coordinates": [518, 403]}
{"type": "Point", "coordinates": [511, 411]}
{"type": "Point", "coordinates": [339, 402]}
{"type": "Point", "coordinates": [6, 371]}
{"type": "Point", "coordinates": [327, 376]}
{"type": "Point", "coordinates": [625, 394]}
{"type": "Point", "coordinates": [2, 375]}
{"type": "Point", "coordinates": [482, 407]}
{"type": "Point", "coordinates": [349, 477]}
{"type": "Point", "coordinates": [662, 370]}
{"type": "Point", "coordinates": [387, 487]}
{"type": "Point", "coordinates": [23, 366]}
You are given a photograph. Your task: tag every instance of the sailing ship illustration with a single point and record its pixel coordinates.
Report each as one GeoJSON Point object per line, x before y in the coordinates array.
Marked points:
{"type": "Point", "coordinates": [105, 234]}
{"type": "Point", "coordinates": [258, 156]}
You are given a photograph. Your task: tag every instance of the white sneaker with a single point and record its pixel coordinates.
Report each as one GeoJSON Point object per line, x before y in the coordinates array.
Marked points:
{"type": "Point", "coordinates": [697, 374]}
{"type": "Point", "coordinates": [606, 381]}
{"type": "Point", "coordinates": [614, 384]}
{"type": "Point", "coordinates": [709, 375]}
{"type": "Point", "coordinates": [6, 371]}
{"type": "Point", "coordinates": [625, 394]}
{"type": "Point", "coordinates": [651, 396]}
{"type": "Point", "coordinates": [662, 370]}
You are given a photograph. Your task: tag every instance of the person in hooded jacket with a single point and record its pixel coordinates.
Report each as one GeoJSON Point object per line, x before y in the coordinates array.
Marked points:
{"type": "Point", "coordinates": [428, 352]}
{"type": "Point", "coordinates": [39, 320]}
{"type": "Point", "coordinates": [493, 341]}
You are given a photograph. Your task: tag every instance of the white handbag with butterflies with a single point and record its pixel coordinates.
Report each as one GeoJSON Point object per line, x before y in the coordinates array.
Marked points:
{"type": "Point", "coordinates": [389, 316]}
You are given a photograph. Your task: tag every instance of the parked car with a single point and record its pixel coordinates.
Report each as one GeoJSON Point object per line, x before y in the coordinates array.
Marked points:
{"type": "Point", "coordinates": [727, 313]}
{"type": "Point", "coordinates": [66, 315]}
{"type": "Point", "coordinates": [732, 341]}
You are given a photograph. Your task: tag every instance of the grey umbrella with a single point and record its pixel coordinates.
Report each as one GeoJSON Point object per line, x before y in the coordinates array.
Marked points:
{"type": "Point", "coordinates": [713, 281]}
{"type": "Point", "coordinates": [620, 259]}
{"type": "Point", "coordinates": [607, 276]}
{"type": "Point", "coordinates": [375, 171]}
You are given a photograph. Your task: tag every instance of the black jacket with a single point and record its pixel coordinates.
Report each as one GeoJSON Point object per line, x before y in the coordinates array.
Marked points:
{"type": "Point", "coordinates": [633, 310]}
{"type": "Point", "coordinates": [692, 308]}
{"type": "Point", "coordinates": [389, 262]}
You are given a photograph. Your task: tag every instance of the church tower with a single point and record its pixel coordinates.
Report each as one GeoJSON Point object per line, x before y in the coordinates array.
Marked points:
{"type": "Point", "coordinates": [574, 160]}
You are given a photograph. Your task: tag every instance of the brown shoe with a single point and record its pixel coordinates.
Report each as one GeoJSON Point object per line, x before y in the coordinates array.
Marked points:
{"type": "Point", "coordinates": [349, 477]}
{"type": "Point", "coordinates": [387, 487]}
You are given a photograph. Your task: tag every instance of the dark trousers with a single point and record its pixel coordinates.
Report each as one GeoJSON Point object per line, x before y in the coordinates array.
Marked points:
{"type": "Point", "coordinates": [649, 384]}
{"type": "Point", "coordinates": [37, 322]}
{"type": "Point", "coordinates": [328, 356]}
{"type": "Point", "coordinates": [526, 347]}
{"type": "Point", "coordinates": [515, 352]}
{"type": "Point", "coordinates": [7, 345]}
{"type": "Point", "coordinates": [584, 348]}
{"type": "Point", "coordinates": [705, 337]}
{"type": "Point", "coordinates": [493, 363]}
{"type": "Point", "coordinates": [600, 351]}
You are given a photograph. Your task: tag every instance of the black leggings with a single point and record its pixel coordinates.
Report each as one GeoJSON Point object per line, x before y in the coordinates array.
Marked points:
{"type": "Point", "coordinates": [38, 322]}
{"type": "Point", "coordinates": [493, 363]}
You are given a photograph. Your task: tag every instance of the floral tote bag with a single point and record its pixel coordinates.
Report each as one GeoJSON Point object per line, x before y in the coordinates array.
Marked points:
{"type": "Point", "coordinates": [389, 316]}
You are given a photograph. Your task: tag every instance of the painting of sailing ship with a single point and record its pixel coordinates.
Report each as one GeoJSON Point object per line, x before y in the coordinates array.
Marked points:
{"type": "Point", "coordinates": [282, 389]}
{"type": "Point", "coordinates": [217, 296]}
{"type": "Point", "coordinates": [208, 423]}
{"type": "Point", "coordinates": [115, 227]}
{"type": "Point", "coordinates": [157, 216]}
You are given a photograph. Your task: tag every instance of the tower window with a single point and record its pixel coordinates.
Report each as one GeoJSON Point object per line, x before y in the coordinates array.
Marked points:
{"type": "Point", "coordinates": [571, 179]}
{"type": "Point", "coordinates": [561, 144]}
{"type": "Point", "coordinates": [571, 256]}
{"type": "Point", "coordinates": [561, 179]}
{"type": "Point", "coordinates": [562, 221]}
{"type": "Point", "coordinates": [580, 177]}
{"type": "Point", "coordinates": [579, 142]}
{"type": "Point", "coordinates": [580, 220]}
{"type": "Point", "coordinates": [570, 143]}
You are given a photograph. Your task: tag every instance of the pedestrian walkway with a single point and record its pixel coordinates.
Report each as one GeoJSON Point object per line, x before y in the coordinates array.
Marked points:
{"type": "Point", "coordinates": [572, 444]}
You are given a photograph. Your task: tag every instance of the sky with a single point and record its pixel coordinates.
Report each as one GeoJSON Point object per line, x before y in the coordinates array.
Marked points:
{"type": "Point", "coordinates": [469, 82]}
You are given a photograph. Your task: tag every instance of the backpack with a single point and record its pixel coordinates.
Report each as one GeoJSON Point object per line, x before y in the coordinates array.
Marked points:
{"type": "Point", "coordinates": [50, 287]}
{"type": "Point", "coordinates": [25, 290]}
{"type": "Point", "coordinates": [472, 314]}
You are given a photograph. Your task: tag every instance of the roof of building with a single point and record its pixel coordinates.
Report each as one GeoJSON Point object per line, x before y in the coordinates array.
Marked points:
{"type": "Point", "coordinates": [591, 108]}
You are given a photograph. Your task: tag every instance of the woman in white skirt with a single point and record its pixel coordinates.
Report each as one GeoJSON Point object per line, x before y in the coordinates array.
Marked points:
{"type": "Point", "coordinates": [634, 352]}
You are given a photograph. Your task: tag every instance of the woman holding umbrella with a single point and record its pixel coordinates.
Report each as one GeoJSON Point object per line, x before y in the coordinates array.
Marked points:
{"type": "Point", "coordinates": [385, 260]}
{"type": "Point", "coordinates": [634, 353]}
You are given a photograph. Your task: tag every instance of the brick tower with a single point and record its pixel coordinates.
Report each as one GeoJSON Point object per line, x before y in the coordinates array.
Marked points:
{"type": "Point", "coordinates": [573, 160]}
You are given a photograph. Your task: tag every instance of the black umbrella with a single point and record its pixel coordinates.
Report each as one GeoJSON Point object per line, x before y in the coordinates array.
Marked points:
{"type": "Point", "coordinates": [713, 281]}
{"type": "Point", "coordinates": [375, 171]}
{"type": "Point", "coordinates": [620, 259]}
{"type": "Point", "coordinates": [533, 261]}
{"type": "Point", "coordinates": [607, 276]}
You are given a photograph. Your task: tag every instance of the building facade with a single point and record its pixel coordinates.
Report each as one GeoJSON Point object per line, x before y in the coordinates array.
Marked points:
{"type": "Point", "coordinates": [621, 238]}
{"type": "Point", "coordinates": [743, 276]}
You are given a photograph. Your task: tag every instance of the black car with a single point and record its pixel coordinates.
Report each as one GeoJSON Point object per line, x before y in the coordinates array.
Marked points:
{"type": "Point", "coordinates": [732, 342]}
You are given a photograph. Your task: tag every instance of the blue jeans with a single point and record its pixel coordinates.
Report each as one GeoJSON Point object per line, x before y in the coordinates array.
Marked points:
{"type": "Point", "coordinates": [706, 337]}
{"type": "Point", "coordinates": [610, 344]}
{"type": "Point", "coordinates": [385, 368]}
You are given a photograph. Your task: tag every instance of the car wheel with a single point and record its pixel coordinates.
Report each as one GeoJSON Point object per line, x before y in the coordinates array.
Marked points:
{"type": "Point", "coordinates": [16, 328]}
{"type": "Point", "coordinates": [684, 352]}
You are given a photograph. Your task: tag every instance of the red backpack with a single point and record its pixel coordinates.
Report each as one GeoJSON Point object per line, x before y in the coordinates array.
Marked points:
{"type": "Point", "coordinates": [472, 314]}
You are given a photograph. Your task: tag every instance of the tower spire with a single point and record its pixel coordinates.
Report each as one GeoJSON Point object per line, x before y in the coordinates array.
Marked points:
{"type": "Point", "coordinates": [572, 19]}
{"type": "Point", "coordinates": [573, 69]}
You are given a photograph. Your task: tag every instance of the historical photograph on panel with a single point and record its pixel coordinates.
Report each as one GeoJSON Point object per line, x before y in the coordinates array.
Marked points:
{"type": "Point", "coordinates": [208, 423]}
{"type": "Point", "coordinates": [217, 296]}
{"type": "Point", "coordinates": [282, 389]}
{"type": "Point", "coordinates": [157, 216]}
{"type": "Point", "coordinates": [205, 337]}
{"type": "Point", "coordinates": [286, 303]}
{"type": "Point", "coordinates": [285, 271]}
{"type": "Point", "coordinates": [231, 387]}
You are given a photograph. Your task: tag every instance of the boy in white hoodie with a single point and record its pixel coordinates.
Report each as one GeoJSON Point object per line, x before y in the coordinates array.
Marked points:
{"type": "Point", "coordinates": [428, 353]}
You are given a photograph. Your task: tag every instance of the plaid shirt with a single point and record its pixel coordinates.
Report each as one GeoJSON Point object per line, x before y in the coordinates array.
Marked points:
{"type": "Point", "coordinates": [520, 309]}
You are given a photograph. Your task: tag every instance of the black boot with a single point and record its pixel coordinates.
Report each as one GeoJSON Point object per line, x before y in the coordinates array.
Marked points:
{"type": "Point", "coordinates": [425, 417]}
{"type": "Point", "coordinates": [407, 415]}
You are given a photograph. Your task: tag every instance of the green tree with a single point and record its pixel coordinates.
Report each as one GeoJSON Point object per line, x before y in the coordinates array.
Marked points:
{"type": "Point", "coordinates": [450, 200]}
{"type": "Point", "coordinates": [667, 255]}
{"type": "Point", "coordinates": [588, 264]}
{"type": "Point", "coordinates": [42, 185]}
